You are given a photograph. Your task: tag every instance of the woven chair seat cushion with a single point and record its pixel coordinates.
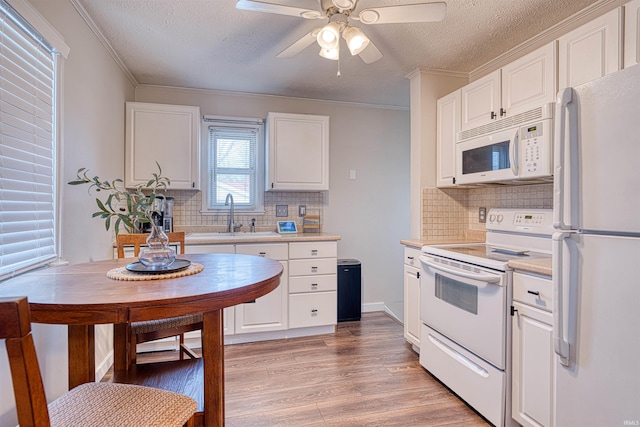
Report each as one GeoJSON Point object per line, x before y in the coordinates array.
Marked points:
{"type": "Point", "coordinates": [105, 404]}
{"type": "Point", "coordinates": [162, 324]}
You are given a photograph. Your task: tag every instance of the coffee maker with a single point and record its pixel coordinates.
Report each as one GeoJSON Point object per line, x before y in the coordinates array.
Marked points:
{"type": "Point", "coordinates": [167, 214]}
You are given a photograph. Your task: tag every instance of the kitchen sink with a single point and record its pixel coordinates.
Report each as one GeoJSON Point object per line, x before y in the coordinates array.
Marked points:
{"type": "Point", "coordinates": [225, 235]}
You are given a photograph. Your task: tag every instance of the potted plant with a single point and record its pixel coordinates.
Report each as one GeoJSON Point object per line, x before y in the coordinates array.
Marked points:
{"type": "Point", "coordinates": [132, 209]}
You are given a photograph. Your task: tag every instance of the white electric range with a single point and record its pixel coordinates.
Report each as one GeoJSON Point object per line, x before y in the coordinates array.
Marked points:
{"type": "Point", "coordinates": [465, 298]}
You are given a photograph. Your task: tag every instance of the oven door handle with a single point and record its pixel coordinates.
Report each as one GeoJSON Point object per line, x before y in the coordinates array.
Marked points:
{"type": "Point", "coordinates": [487, 278]}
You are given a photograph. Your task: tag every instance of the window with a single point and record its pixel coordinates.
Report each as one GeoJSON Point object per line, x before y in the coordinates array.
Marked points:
{"type": "Point", "coordinates": [234, 153]}
{"type": "Point", "coordinates": [27, 142]}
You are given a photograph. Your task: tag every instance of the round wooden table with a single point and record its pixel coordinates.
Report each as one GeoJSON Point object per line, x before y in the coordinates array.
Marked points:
{"type": "Point", "coordinates": [82, 296]}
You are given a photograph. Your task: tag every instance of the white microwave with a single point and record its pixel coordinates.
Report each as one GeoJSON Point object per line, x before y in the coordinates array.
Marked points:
{"type": "Point", "coordinates": [522, 152]}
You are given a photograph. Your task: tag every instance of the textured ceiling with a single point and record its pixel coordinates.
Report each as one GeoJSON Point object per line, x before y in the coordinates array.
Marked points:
{"type": "Point", "coordinates": [210, 44]}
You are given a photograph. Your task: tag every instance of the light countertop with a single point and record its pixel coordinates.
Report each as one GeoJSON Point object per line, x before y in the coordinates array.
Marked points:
{"type": "Point", "coordinates": [284, 238]}
{"type": "Point", "coordinates": [539, 266]}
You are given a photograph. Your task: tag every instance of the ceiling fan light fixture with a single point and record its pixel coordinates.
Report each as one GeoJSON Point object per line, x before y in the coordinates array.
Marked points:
{"type": "Point", "coordinates": [357, 41]}
{"type": "Point", "coordinates": [333, 54]}
{"type": "Point", "coordinates": [329, 36]}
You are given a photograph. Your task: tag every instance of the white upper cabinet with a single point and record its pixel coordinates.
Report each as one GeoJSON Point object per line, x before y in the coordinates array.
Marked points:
{"type": "Point", "coordinates": [297, 152]}
{"type": "Point", "coordinates": [632, 33]}
{"type": "Point", "coordinates": [481, 101]}
{"type": "Point", "coordinates": [448, 126]}
{"type": "Point", "coordinates": [591, 51]}
{"type": "Point", "coordinates": [524, 84]}
{"type": "Point", "coordinates": [530, 81]}
{"type": "Point", "coordinates": [167, 134]}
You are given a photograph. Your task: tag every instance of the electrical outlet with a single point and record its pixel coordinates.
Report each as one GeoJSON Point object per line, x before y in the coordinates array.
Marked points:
{"type": "Point", "coordinates": [302, 210]}
{"type": "Point", "coordinates": [282, 210]}
{"type": "Point", "coordinates": [482, 215]}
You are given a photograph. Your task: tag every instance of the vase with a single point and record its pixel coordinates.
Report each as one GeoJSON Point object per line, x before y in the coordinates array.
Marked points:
{"type": "Point", "coordinates": [158, 254]}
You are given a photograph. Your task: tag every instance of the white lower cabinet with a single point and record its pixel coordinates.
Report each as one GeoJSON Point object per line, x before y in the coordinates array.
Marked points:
{"type": "Point", "coordinates": [313, 297]}
{"type": "Point", "coordinates": [412, 296]}
{"type": "Point", "coordinates": [532, 351]}
{"type": "Point", "coordinates": [269, 312]}
{"type": "Point", "coordinates": [229, 312]}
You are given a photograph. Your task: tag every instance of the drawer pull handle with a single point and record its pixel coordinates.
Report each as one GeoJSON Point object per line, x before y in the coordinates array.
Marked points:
{"type": "Point", "coordinates": [262, 253]}
{"type": "Point", "coordinates": [410, 257]}
{"type": "Point", "coordinates": [536, 293]}
{"type": "Point", "coordinates": [314, 252]}
{"type": "Point", "coordinates": [314, 269]}
{"type": "Point", "coordinates": [314, 312]}
{"type": "Point", "coordinates": [314, 285]}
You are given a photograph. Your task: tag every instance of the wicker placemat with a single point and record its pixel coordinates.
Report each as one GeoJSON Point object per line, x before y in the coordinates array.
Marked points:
{"type": "Point", "coordinates": [121, 273]}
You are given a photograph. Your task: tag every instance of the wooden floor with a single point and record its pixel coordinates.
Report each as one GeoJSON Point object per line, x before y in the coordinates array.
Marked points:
{"type": "Point", "coordinates": [365, 374]}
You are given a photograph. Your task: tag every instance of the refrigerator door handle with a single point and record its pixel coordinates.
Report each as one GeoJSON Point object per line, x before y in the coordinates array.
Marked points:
{"type": "Point", "coordinates": [514, 153]}
{"type": "Point", "coordinates": [560, 306]}
{"type": "Point", "coordinates": [559, 184]}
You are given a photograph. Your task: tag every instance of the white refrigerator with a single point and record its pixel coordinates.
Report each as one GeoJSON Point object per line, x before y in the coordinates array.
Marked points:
{"type": "Point", "coordinates": [596, 253]}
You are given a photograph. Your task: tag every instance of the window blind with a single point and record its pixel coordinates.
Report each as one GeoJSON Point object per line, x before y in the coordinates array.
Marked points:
{"type": "Point", "coordinates": [233, 155]}
{"type": "Point", "coordinates": [27, 146]}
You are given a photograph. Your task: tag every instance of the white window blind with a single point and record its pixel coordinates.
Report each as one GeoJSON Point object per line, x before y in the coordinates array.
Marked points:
{"type": "Point", "coordinates": [234, 164]}
{"type": "Point", "coordinates": [27, 146]}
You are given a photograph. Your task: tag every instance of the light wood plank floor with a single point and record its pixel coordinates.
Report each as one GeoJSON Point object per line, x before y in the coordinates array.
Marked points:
{"type": "Point", "coordinates": [365, 374]}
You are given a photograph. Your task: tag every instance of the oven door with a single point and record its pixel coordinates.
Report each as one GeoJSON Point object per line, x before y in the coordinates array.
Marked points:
{"type": "Point", "coordinates": [467, 304]}
{"type": "Point", "coordinates": [488, 158]}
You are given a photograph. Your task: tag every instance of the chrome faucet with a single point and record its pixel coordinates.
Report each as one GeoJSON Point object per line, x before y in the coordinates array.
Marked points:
{"type": "Point", "coordinates": [232, 226]}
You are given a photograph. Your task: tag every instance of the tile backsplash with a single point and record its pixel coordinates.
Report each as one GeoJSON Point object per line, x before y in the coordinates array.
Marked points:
{"type": "Point", "coordinates": [188, 204]}
{"type": "Point", "coordinates": [450, 212]}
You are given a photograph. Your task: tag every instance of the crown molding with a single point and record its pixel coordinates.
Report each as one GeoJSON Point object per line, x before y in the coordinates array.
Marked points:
{"type": "Point", "coordinates": [581, 17]}
{"type": "Point", "coordinates": [102, 39]}
{"type": "Point", "coordinates": [266, 95]}
{"type": "Point", "coordinates": [436, 72]}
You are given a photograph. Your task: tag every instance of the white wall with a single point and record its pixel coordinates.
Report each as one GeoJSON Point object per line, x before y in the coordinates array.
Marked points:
{"type": "Point", "coordinates": [371, 213]}
{"type": "Point", "coordinates": [93, 95]}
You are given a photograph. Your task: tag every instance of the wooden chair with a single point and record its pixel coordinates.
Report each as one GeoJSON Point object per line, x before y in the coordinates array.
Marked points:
{"type": "Point", "coordinates": [91, 404]}
{"type": "Point", "coordinates": [163, 328]}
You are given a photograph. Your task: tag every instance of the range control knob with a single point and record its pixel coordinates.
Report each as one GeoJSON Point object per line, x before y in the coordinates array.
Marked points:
{"type": "Point", "coordinates": [492, 218]}
{"type": "Point", "coordinates": [500, 218]}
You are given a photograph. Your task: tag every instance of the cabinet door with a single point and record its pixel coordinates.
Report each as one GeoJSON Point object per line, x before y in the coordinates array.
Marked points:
{"type": "Point", "coordinates": [167, 134]}
{"type": "Point", "coordinates": [590, 51]}
{"type": "Point", "coordinates": [298, 152]}
{"type": "Point", "coordinates": [530, 81]}
{"type": "Point", "coordinates": [448, 126]}
{"type": "Point", "coordinates": [632, 33]}
{"type": "Point", "coordinates": [533, 366]}
{"type": "Point", "coordinates": [267, 313]}
{"type": "Point", "coordinates": [412, 305]}
{"type": "Point", "coordinates": [481, 101]}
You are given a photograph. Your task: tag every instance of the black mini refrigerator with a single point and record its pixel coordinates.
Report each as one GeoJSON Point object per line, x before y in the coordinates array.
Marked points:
{"type": "Point", "coordinates": [349, 290]}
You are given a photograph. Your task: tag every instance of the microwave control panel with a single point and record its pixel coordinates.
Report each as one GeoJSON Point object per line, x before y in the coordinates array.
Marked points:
{"type": "Point", "coordinates": [534, 140]}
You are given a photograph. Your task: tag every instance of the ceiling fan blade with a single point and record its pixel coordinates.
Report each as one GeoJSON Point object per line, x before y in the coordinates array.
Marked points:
{"type": "Point", "coordinates": [424, 12]}
{"type": "Point", "coordinates": [258, 6]}
{"type": "Point", "coordinates": [370, 53]}
{"type": "Point", "coordinates": [304, 42]}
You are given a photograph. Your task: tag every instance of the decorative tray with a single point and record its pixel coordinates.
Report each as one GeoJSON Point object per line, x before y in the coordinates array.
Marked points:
{"type": "Point", "coordinates": [176, 265]}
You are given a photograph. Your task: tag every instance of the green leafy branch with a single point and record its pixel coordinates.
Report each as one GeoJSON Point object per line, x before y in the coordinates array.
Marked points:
{"type": "Point", "coordinates": [129, 209]}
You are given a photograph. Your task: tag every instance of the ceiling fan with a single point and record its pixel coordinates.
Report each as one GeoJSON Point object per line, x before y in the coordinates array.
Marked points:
{"type": "Point", "coordinates": [339, 14]}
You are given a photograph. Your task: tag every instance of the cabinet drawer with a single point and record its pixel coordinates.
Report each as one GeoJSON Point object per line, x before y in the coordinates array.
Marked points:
{"type": "Point", "coordinates": [279, 251]}
{"type": "Point", "coordinates": [315, 309]}
{"type": "Point", "coordinates": [412, 256]}
{"type": "Point", "coordinates": [313, 250]}
{"type": "Point", "coordinates": [302, 267]}
{"type": "Point", "coordinates": [312, 283]}
{"type": "Point", "coordinates": [536, 291]}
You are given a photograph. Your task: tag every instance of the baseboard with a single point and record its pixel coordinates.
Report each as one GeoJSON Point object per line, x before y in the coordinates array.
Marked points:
{"type": "Point", "coordinates": [373, 306]}
{"type": "Point", "coordinates": [104, 366]}
{"type": "Point", "coordinates": [392, 315]}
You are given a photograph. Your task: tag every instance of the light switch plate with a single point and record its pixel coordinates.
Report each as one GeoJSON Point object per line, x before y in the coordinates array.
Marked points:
{"type": "Point", "coordinates": [302, 210]}
{"type": "Point", "coordinates": [282, 210]}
